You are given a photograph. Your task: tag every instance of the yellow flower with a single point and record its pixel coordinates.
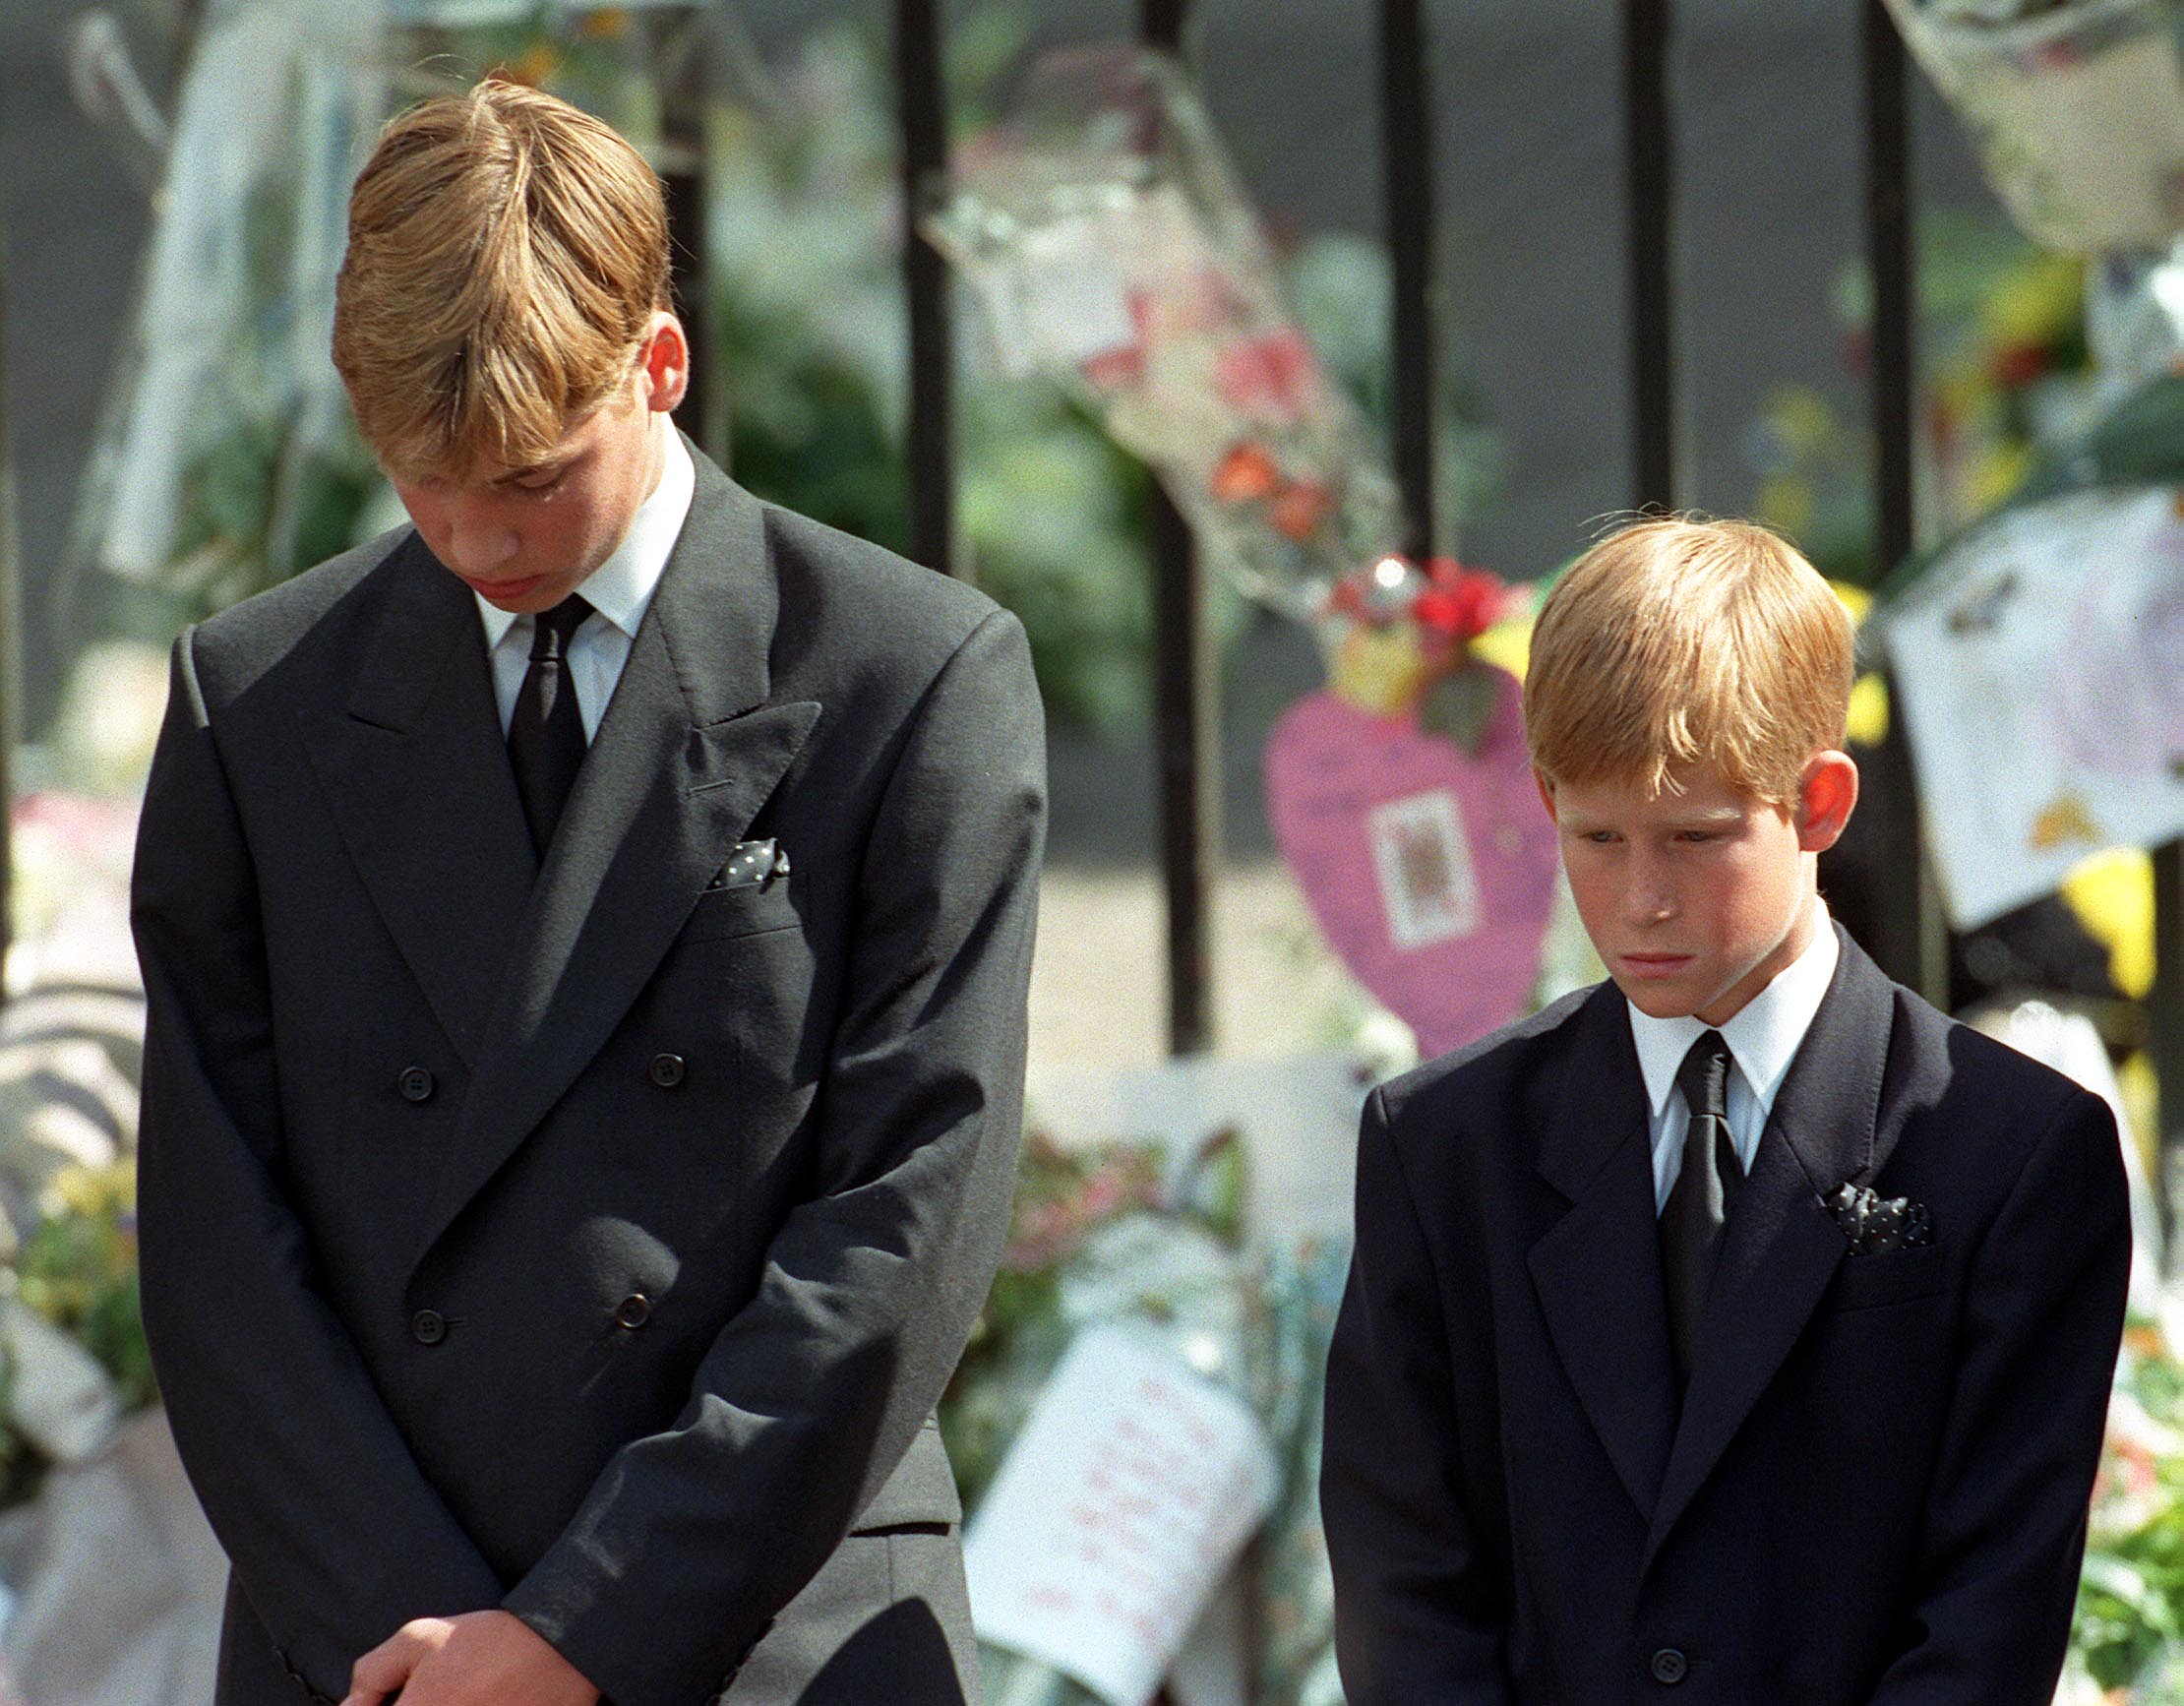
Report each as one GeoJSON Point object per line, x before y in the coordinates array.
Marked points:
{"type": "Point", "coordinates": [91, 1191]}
{"type": "Point", "coordinates": [1786, 502]}
{"type": "Point", "coordinates": [1996, 475]}
{"type": "Point", "coordinates": [1507, 643]}
{"type": "Point", "coordinates": [2112, 895]}
{"type": "Point", "coordinates": [2037, 303]}
{"type": "Point", "coordinates": [1380, 669]}
{"type": "Point", "coordinates": [534, 65]}
{"type": "Point", "coordinates": [1854, 599]}
{"type": "Point", "coordinates": [1868, 722]}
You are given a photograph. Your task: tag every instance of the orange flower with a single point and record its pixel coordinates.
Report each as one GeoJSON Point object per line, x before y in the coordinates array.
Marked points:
{"type": "Point", "coordinates": [1300, 508]}
{"type": "Point", "coordinates": [1245, 475]}
{"type": "Point", "coordinates": [533, 66]}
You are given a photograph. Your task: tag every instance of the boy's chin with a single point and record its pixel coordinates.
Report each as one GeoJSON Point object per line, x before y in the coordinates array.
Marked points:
{"type": "Point", "coordinates": [1656, 1000]}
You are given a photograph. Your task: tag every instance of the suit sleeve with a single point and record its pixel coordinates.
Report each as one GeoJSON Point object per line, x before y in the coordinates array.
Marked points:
{"type": "Point", "coordinates": [2004, 1529]}
{"type": "Point", "coordinates": [692, 1539]}
{"type": "Point", "coordinates": [1417, 1614]}
{"type": "Point", "coordinates": [333, 1532]}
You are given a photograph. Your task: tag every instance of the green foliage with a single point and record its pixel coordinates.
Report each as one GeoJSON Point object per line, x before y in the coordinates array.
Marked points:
{"type": "Point", "coordinates": [78, 1269]}
{"type": "Point", "coordinates": [2002, 337]}
{"type": "Point", "coordinates": [2131, 1593]}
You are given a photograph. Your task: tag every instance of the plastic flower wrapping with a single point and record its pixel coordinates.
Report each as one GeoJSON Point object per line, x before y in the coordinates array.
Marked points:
{"type": "Point", "coordinates": [1104, 1240]}
{"type": "Point", "coordinates": [1114, 250]}
{"type": "Point", "coordinates": [2076, 107]}
{"type": "Point", "coordinates": [227, 460]}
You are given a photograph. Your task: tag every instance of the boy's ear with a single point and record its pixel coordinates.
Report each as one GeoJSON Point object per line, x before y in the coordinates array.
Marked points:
{"type": "Point", "coordinates": [1827, 794]}
{"type": "Point", "coordinates": [1546, 792]}
{"type": "Point", "coordinates": [665, 362]}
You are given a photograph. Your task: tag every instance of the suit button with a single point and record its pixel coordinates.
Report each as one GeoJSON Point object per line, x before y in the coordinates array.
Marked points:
{"type": "Point", "coordinates": [666, 1070]}
{"type": "Point", "coordinates": [632, 1311]}
{"type": "Point", "coordinates": [415, 1084]}
{"type": "Point", "coordinates": [1669, 1666]}
{"type": "Point", "coordinates": [428, 1326]}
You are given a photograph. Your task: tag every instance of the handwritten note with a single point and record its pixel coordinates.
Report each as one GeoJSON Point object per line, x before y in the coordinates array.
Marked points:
{"type": "Point", "coordinates": [1117, 1513]}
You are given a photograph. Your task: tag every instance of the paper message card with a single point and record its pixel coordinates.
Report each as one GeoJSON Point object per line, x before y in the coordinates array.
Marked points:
{"type": "Point", "coordinates": [1117, 1513]}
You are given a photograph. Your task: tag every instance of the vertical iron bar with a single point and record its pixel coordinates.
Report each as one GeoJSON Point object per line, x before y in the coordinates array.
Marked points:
{"type": "Point", "coordinates": [1408, 132]}
{"type": "Point", "coordinates": [1651, 192]}
{"type": "Point", "coordinates": [922, 104]}
{"type": "Point", "coordinates": [1907, 938]}
{"type": "Point", "coordinates": [1186, 707]}
{"type": "Point", "coordinates": [11, 652]}
{"type": "Point", "coordinates": [2165, 1033]}
{"type": "Point", "coordinates": [1888, 237]}
{"type": "Point", "coordinates": [682, 177]}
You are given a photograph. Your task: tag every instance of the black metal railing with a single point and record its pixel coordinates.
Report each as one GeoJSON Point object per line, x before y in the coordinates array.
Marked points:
{"type": "Point", "coordinates": [1900, 925]}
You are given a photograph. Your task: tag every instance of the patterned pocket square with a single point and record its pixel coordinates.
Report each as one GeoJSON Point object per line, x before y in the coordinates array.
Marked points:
{"type": "Point", "coordinates": [751, 864]}
{"type": "Point", "coordinates": [1875, 1224]}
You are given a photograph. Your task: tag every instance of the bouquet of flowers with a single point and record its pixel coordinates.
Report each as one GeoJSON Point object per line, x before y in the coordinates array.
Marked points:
{"type": "Point", "coordinates": [1114, 250]}
{"type": "Point", "coordinates": [2076, 107]}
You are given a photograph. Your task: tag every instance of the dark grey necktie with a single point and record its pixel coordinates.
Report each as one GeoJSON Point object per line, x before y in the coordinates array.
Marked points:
{"type": "Point", "coordinates": [1699, 1203]}
{"type": "Point", "coordinates": [546, 734]}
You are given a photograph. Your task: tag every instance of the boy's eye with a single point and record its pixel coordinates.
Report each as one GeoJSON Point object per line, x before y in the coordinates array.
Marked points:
{"type": "Point", "coordinates": [543, 483]}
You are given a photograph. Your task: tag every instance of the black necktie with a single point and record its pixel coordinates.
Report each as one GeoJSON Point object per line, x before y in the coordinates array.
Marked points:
{"type": "Point", "coordinates": [1700, 1200]}
{"type": "Point", "coordinates": [546, 735]}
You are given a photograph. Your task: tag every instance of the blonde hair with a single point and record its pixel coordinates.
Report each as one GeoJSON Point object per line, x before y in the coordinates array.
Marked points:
{"type": "Point", "coordinates": [1685, 642]}
{"type": "Point", "coordinates": [506, 253]}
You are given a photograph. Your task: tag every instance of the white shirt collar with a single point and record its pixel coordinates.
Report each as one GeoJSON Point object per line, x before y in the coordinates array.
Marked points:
{"type": "Point", "coordinates": [1762, 1037]}
{"type": "Point", "coordinates": [621, 588]}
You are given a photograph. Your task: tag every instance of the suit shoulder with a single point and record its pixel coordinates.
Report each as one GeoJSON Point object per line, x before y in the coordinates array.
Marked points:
{"type": "Point", "coordinates": [234, 647]}
{"type": "Point", "coordinates": [1490, 1069]}
{"type": "Point", "coordinates": [1993, 1085]}
{"type": "Point", "coordinates": [914, 612]}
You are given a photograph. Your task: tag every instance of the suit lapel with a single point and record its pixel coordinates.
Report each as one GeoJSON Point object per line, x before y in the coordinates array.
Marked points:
{"type": "Point", "coordinates": [683, 759]}
{"type": "Point", "coordinates": [418, 782]}
{"type": "Point", "coordinates": [1782, 1246]}
{"type": "Point", "coordinates": [1597, 1270]}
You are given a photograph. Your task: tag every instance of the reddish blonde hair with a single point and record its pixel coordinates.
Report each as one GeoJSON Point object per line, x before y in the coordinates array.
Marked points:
{"type": "Point", "coordinates": [506, 253]}
{"type": "Point", "coordinates": [1682, 641]}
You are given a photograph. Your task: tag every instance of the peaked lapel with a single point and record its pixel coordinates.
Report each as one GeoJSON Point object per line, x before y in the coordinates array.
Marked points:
{"type": "Point", "coordinates": [418, 782]}
{"type": "Point", "coordinates": [1597, 1270]}
{"type": "Point", "coordinates": [1782, 1246]}
{"type": "Point", "coordinates": [685, 757]}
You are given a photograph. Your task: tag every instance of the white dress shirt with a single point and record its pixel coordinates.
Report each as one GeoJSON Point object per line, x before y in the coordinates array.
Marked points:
{"type": "Point", "coordinates": [619, 590]}
{"type": "Point", "coordinates": [1762, 1038]}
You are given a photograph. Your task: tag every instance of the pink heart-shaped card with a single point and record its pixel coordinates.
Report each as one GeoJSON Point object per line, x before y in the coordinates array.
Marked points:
{"type": "Point", "coordinates": [1431, 870]}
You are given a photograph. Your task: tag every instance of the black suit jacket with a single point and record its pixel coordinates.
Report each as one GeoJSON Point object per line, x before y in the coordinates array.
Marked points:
{"type": "Point", "coordinates": [587, 1239]}
{"type": "Point", "coordinates": [1876, 1488]}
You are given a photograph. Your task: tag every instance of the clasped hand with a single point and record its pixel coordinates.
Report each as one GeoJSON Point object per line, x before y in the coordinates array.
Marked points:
{"type": "Point", "coordinates": [479, 1658]}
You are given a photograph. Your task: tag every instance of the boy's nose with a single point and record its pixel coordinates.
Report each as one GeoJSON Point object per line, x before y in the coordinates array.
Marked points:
{"type": "Point", "coordinates": [478, 546]}
{"type": "Point", "coordinates": [1650, 896]}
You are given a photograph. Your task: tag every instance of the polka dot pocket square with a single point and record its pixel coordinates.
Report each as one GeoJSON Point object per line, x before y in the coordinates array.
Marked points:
{"type": "Point", "coordinates": [1875, 1224]}
{"type": "Point", "coordinates": [751, 864]}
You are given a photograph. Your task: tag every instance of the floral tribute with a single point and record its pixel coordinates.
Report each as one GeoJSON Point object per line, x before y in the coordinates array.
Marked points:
{"type": "Point", "coordinates": [1114, 251]}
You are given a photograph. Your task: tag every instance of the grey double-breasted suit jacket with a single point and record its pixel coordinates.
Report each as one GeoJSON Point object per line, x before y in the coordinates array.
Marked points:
{"type": "Point", "coordinates": [585, 1237]}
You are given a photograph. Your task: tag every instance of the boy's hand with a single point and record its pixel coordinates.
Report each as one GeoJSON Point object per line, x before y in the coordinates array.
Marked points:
{"type": "Point", "coordinates": [479, 1658]}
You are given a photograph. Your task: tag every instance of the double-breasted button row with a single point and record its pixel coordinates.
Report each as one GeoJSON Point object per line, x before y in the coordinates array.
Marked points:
{"type": "Point", "coordinates": [1669, 1666]}
{"type": "Point", "coordinates": [418, 1085]}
